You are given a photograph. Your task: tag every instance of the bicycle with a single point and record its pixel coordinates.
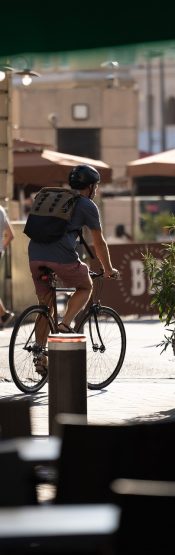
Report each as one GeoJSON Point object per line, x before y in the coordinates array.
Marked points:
{"type": "Point", "coordinates": [105, 340]}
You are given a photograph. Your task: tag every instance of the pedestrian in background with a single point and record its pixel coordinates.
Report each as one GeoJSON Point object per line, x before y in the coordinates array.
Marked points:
{"type": "Point", "coordinates": [6, 236]}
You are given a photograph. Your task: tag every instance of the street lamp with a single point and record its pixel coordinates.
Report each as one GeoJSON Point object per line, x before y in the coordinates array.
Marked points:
{"type": "Point", "coordinates": [112, 75]}
{"type": "Point", "coordinates": [26, 74]}
{"type": "Point", "coordinates": [2, 75]}
{"type": "Point", "coordinates": [26, 80]}
{"type": "Point", "coordinates": [6, 139]}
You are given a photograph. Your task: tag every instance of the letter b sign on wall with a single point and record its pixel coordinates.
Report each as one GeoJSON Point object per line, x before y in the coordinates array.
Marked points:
{"type": "Point", "coordinates": [131, 294]}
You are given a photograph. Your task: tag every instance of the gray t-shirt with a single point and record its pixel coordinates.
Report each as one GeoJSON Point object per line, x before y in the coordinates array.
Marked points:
{"type": "Point", "coordinates": [63, 251]}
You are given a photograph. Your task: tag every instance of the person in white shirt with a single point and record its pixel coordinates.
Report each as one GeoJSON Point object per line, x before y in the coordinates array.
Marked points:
{"type": "Point", "coordinates": [6, 236]}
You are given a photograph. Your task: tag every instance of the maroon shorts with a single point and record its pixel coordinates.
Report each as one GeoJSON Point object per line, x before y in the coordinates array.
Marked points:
{"type": "Point", "coordinates": [70, 275]}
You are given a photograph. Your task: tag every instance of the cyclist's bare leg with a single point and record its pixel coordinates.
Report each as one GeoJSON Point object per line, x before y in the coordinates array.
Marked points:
{"type": "Point", "coordinates": [73, 275]}
{"type": "Point", "coordinates": [42, 328]}
{"type": "Point", "coordinates": [76, 302]}
{"type": "Point", "coordinates": [2, 308]}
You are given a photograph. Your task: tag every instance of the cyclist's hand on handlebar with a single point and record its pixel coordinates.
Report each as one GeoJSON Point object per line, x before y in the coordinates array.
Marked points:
{"type": "Point", "coordinates": [114, 274]}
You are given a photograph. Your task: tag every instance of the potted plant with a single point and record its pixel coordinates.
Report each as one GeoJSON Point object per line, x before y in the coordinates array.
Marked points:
{"type": "Point", "coordinates": [161, 274]}
{"type": "Point", "coordinates": [162, 280]}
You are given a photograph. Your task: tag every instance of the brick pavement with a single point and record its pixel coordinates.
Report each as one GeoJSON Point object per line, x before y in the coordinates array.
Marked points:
{"type": "Point", "coordinates": [144, 389]}
{"type": "Point", "coordinates": [123, 401]}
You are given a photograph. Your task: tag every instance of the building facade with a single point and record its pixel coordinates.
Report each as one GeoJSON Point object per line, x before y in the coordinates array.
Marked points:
{"type": "Point", "coordinates": [155, 77]}
{"type": "Point", "coordinates": [81, 113]}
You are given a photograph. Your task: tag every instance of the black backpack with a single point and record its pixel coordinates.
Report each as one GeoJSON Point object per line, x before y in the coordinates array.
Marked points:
{"type": "Point", "coordinates": [51, 211]}
{"type": "Point", "coordinates": [50, 214]}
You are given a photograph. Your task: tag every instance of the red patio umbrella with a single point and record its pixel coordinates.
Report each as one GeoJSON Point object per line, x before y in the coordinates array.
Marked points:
{"type": "Point", "coordinates": [47, 168]}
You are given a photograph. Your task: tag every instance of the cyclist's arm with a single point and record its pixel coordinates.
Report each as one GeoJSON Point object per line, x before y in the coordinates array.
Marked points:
{"type": "Point", "coordinates": [8, 235]}
{"type": "Point", "coordinates": [102, 253]}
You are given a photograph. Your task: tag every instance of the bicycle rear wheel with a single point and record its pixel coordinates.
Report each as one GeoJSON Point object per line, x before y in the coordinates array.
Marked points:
{"type": "Point", "coordinates": [106, 346]}
{"type": "Point", "coordinates": [24, 351]}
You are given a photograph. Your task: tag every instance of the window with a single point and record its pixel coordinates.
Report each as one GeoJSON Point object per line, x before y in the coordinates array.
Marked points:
{"type": "Point", "coordinates": [80, 111]}
{"type": "Point", "coordinates": [80, 142]}
{"type": "Point", "coordinates": [170, 111]}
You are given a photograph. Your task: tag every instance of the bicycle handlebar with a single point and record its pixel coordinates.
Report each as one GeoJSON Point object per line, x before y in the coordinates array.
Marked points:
{"type": "Point", "coordinates": [95, 275]}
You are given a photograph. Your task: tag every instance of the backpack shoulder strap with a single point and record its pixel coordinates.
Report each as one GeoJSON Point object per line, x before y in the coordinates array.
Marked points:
{"type": "Point", "coordinates": [82, 241]}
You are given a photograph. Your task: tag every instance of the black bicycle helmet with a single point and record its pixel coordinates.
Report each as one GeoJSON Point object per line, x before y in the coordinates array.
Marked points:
{"type": "Point", "coordinates": [82, 176]}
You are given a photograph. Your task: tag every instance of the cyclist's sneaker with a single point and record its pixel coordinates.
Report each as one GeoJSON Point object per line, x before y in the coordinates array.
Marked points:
{"type": "Point", "coordinates": [41, 365]}
{"type": "Point", "coordinates": [6, 318]}
{"type": "Point", "coordinates": [63, 328]}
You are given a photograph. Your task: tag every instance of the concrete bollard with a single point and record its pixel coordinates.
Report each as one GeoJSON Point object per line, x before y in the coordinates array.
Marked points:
{"type": "Point", "coordinates": [67, 380]}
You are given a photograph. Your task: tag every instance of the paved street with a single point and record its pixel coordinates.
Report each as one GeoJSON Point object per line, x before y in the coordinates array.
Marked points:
{"type": "Point", "coordinates": [144, 389]}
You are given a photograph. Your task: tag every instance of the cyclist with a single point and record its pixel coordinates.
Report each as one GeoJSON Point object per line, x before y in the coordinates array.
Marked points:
{"type": "Point", "coordinates": [62, 257]}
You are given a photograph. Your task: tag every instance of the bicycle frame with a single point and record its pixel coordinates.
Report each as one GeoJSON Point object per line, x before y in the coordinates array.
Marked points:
{"type": "Point", "coordinates": [92, 311]}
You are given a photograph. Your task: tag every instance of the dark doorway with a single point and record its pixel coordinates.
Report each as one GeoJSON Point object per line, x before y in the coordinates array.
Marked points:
{"type": "Point", "coordinates": [79, 142]}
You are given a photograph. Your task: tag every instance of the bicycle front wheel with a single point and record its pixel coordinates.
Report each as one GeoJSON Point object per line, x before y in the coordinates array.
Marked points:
{"type": "Point", "coordinates": [106, 345]}
{"type": "Point", "coordinates": [24, 351]}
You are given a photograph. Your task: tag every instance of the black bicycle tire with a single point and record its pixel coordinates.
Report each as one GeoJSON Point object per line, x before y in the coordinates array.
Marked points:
{"type": "Point", "coordinates": [31, 309]}
{"type": "Point", "coordinates": [120, 324]}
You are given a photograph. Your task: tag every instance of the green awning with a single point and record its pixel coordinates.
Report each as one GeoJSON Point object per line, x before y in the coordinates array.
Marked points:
{"type": "Point", "coordinates": [120, 28]}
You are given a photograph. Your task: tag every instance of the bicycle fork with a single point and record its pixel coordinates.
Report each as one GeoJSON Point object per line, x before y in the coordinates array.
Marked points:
{"type": "Point", "coordinates": [95, 346]}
